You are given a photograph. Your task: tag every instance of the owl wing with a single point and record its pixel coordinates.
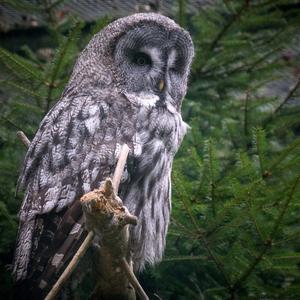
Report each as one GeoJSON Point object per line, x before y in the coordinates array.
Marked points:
{"type": "Point", "coordinates": [73, 151]}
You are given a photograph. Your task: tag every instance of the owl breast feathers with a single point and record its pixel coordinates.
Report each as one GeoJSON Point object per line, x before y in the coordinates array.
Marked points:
{"type": "Point", "coordinates": [127, 87]}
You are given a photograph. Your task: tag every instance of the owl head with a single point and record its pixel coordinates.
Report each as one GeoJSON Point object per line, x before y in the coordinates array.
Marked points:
{"type": "Point", "coordinates": [147, 57]}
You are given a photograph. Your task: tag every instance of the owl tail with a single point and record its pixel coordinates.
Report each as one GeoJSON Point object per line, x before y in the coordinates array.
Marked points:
{"type": "Point", "coordinates": [23, 249]}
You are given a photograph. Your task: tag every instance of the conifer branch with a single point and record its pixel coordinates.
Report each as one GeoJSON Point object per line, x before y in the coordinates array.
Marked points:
{"type": "Point", "coordinates": [245, 67]}
{"type": "Point", "coordinates": [181, 12]}
{"type": "Point", "coordinates": [181, 192]}
{"type": "Point", "coordinates": [212, 178]}
{"type": "Point", "coordinates": [12, 70]}
{"type": "Point", "coordinates": [291, 237]}
{"type": "Point", "coordinates": [24, 6]}
{"type": "Point", "coordinates": [281, 105]}
{"type": "Point", "coordinates": [269, 242]}
{"type": "Point", "coordinates": [184, 228]}
{"type": "Point", "coordinates": [58, 63]}
{"type": "Point", "coordinates": [10, 122]}
{"type": "Point", "coordinates": [231, 20]}
{"type": "Point", "coordinates": [251, 66]}
{"type": "Point", "coordinates": [284, 208]}
{"type": "Point", "coordinates": [24, 90]}
{"type": "Point", "coordinates": [226, 209]}
{"type": "Point", "coordinates": [185, 258]}
{"type": "Point", "coordinates": [20, 63]}
{"type": "Point", "coordinates": [234, 17]}
{"type": "Point", "coordinates": [293, 146]}
{"type": "Point", "coordinates": [246, 110]}
{"type": "Point", "coordinates": [288, 96]}
{"type": "Point", "coordinates": [226, 27]}
{"type": "Point", "coordinates": [253, 219]}
{"type": "Point", "coordinates": [218, 264]}
{"type": "Point", "coordinates": [259, 137]}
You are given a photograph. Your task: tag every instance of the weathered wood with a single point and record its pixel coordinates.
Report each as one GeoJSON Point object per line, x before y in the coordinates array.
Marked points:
{"type": "Point", "coordinates": [23, 138]}
{"type": "Point", "coordinates": [108, 218]}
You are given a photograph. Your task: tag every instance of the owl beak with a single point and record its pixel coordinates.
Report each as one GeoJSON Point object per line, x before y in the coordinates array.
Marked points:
{"type": "Point", "coordinates": [161, 85]}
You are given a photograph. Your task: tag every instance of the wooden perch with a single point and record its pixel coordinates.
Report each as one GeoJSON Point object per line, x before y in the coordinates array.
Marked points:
{"type": "Point", "coordinates": [23, 138]}
{"type": "Point", "coordinates": [107, 218]}
{"type": "Point", "coordinates": [105, 212]}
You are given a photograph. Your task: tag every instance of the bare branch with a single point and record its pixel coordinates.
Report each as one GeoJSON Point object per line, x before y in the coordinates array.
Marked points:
{"type": "Point", "coordinates": [120, 167]}
{"type": "Point", "coordinates": [133, 280]}
{"type": "Point", "coordinates": [71, 267]}
{"type": "Point", "coordinates": [23, 138]}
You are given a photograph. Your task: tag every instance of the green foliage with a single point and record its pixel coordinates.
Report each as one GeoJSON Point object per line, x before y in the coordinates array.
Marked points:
{"type": "Point", "coordinates": [236, 185]}
{"type": "Point", "coordinates": [234, 230]}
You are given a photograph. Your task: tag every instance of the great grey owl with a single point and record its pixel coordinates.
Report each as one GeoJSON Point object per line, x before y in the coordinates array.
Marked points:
{"type": "Point", "coordinates": [127, 87]}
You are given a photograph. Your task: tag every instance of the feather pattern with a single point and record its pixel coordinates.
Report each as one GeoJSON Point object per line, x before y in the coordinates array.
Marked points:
{"type": "Point", "coordinates": [78, 143]}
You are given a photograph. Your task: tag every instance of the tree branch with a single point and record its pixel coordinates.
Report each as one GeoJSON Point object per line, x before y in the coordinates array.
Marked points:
{"type": "Point", "coordinates": [23, 138]}
{"type": "Point", "coordinates": [288, 96]}
{"type": "Point", "coordinates": [71, 267]}
{"type": "Point", "coordinates": [120, 167]}
{"type": "Point", "coordinates": [133, 280]}
{"type": "Point", "coordinates": [269, 242]}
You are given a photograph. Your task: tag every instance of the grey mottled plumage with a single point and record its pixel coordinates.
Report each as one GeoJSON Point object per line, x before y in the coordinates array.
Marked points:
{"type": "Point", "coordinates": [126, 87]}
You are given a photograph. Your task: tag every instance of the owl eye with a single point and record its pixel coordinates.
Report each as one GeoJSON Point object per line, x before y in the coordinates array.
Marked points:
{"type": "Point", "coordinates": [141, 59]}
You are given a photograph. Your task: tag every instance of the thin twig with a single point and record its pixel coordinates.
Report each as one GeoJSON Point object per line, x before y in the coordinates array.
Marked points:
{"type": "Point", "coordinates": [185, 204]}
{"type": "Point", "coordinates": [259, 153]}
{"type": "Point", "coordinates": [246, 110]}
{"type": "Point", "coordinates": [120, 167]}
{"type": "Point", "coordinates": [218, 264]}
{"type": "Point", "coordinates": [10, 122]}
{"type": "Point", "coordinates": [253, 219]}
{"type": "Point", "coordinates": [282, 104]}
{"type": "Point", "coordinates": [212, 180]}
{"type": "Point", "coordinates": [233, 18]}
{"type": "Point", "coordinates": [23, 138]}
{"type": "Point", "coordinates": [132, 279]}
{"type": "Point", "coordinates": [226, 27]}
{"type": "Point", "coordinates": [71, 267]}
{"type": "Point", "coordinates": [288, 96]}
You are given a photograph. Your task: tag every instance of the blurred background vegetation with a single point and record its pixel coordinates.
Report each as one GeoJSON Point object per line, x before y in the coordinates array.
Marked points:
{"type": "Point", "coordinates": [235, 225]}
